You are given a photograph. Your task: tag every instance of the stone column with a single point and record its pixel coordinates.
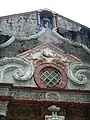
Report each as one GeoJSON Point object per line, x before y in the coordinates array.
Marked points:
{"type": "Point", "coordinates": [38, 18]}
{"type": "Point", "coordinates": [3, 109]}
{"type": "Point", "coordinates": [54, 21]}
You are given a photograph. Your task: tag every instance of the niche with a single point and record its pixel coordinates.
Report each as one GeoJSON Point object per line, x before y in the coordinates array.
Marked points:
{"type": "Point", "coordinates": [46, 18]}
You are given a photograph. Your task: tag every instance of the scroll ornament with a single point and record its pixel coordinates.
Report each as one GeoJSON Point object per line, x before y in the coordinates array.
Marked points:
{"type": "Point", "coordinates": [78, 72]}
{"type": "Point", "coordinates": [21, 69]}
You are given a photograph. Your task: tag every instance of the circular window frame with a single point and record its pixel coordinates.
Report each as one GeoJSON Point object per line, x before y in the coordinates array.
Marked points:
{"type": "Point", "coordinates": [41, 84]}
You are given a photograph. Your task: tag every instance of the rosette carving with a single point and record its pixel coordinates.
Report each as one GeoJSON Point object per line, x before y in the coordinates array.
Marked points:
{"type": "Point", "coordinates": [21, 69]}
{"type": "Point", "coordinates": [78, 72]}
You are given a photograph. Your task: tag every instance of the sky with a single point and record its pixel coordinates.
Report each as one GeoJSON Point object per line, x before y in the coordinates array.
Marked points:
{"type": "Point", "coordinates": [77, 10]}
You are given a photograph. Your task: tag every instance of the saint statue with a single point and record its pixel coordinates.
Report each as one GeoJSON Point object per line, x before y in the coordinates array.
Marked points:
{"type": "Point", "coordinates": [46, 22]}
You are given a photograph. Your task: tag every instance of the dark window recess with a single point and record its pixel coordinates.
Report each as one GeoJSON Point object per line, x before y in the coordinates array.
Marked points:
{"type": "Point", "coordinates": [4, 38]}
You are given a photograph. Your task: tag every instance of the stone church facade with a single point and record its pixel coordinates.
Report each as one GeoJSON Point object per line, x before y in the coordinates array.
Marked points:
{"type": "Point", "coordinates": [44, 67]}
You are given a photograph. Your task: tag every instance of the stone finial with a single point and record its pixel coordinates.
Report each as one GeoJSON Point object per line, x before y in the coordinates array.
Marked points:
{"type": "Point", "coordinates": [54, 115]}
{"type": "Point", "coordinates": [53, 108]}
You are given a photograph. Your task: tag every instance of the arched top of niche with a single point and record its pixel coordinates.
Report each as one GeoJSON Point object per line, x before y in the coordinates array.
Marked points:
{"type": "Point", "coordinates": [40, 10]}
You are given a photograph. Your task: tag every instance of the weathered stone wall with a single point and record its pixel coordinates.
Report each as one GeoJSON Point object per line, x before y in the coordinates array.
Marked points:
{"type": "Point", "coordinates": [18, 47]}
{"type": "Point", "coordinates": [25, 25]}
{"type": "Point", "coordinates": [19, 25]}
{"type": "Point", "coordinates": [66, 25]}
{"type": "Point", "coordinates": [74, 50]}
{"type": "Point", "coordinates": [73, 31]}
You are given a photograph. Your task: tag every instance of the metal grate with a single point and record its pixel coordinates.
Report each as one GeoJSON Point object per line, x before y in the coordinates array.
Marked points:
{"type": "Point", "coordinates": [50, 76]}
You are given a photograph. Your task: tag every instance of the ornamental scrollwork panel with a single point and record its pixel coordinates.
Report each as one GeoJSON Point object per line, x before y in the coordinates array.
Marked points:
{"type": "Point", "coordinates": [16, 68]}
{"type": "Point", "coordinates": [79, 72]}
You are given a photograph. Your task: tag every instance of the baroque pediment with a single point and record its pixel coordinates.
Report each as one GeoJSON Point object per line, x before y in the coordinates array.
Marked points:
{"type": "Point", "coordinates": [48, 52]}
{"type": "Point", "coordinates": [45, 66]}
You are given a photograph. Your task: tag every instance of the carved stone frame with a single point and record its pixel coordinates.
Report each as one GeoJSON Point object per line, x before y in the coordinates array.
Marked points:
{"type": "Point", "coordinates": [63, 77]}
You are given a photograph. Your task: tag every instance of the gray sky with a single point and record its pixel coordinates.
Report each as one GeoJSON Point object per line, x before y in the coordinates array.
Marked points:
{"type": "Point", "coordinates": [77, 10]}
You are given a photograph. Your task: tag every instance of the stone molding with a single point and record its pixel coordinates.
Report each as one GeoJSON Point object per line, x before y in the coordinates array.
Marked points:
{"type": "Point", "coordinates": [50, 96]}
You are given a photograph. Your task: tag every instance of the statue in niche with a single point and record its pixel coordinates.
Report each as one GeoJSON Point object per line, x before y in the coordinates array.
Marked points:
{"type": "Point", "coordinates": [46, 21]}
{"type": "Point", "coordinates": [46, 18]}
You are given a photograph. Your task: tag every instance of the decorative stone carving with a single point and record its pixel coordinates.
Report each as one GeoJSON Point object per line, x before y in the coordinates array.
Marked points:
{"type": "Point", "coordinates": [78, 72]}
{"type": "Point", "coordinates": [3, 108]}
{"type": "Point", "coordinates": [52, 57]}
{"type": "Point", "coordinates": [54, 115]}
{"type": "Point", "coordinates": [52, 96]}
{"type": "Point", "coordinates": [49, 96]}
{"type": "Point", "coordinates": [53, 108]}
{"type": "Point", "coordinates": [21, 69]}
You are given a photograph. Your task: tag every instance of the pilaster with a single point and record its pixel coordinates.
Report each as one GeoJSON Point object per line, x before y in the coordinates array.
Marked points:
{"type": "Point", "coordinates": [3, 109]}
